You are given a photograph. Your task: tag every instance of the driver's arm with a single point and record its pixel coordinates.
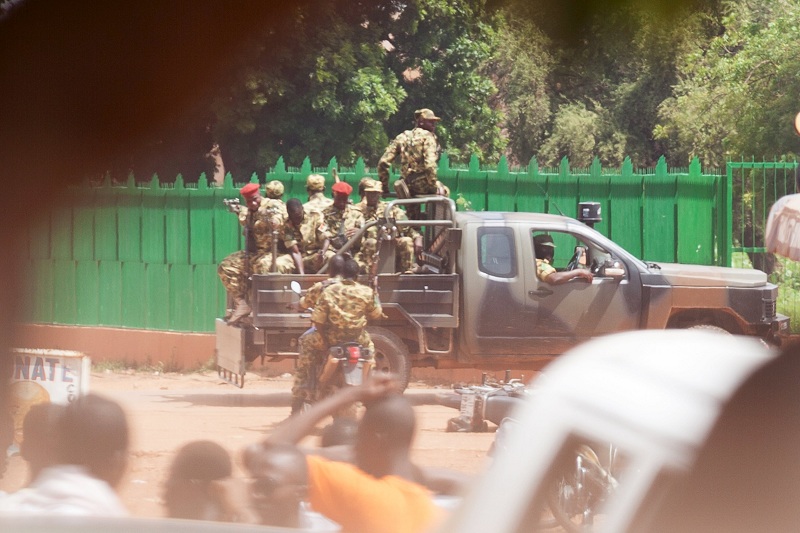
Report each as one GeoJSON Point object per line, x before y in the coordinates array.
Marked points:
{"type": "Point", "coordinates": [557, 278]}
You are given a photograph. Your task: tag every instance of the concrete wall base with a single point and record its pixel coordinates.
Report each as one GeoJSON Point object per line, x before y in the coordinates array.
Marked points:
{"type": "Point", "coordinates": [174, 352]}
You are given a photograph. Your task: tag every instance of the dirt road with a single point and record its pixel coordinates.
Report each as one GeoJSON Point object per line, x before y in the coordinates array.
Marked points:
{"type": "Point", "coordinates": [168, 410]}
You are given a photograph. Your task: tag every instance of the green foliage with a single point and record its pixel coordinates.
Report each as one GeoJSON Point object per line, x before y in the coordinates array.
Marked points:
{"type": "Point", "coordinates": [738, 93]}
{"type": "Point", "coordinates": [580, 134]}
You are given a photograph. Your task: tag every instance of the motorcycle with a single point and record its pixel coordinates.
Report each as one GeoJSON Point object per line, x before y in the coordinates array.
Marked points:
{"type": "Point", "coordinates": [583, 481]}
{"type": "Point", "coordinates": [346, 364]}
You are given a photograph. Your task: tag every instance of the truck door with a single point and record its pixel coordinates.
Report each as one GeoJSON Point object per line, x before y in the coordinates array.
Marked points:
{"type": "Point", "coordinates": [565, 314]}
{"type": "Point", "coordinates": [497, 317]}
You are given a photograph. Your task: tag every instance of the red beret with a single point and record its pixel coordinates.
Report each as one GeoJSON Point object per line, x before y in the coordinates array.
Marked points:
{"type": "Point", "coordinates": [250, 190]}
{"type": "Point", "coordinates": [342, 188]}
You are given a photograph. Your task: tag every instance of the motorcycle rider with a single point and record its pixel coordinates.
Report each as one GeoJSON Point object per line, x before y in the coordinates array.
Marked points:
{"type": "Point", "coordinates": [341, 314]}
{"type": "Point", "coordinates": [309, 345]}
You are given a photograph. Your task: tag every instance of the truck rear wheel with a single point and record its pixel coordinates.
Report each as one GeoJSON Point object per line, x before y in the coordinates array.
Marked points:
{"type": "Point", "coordinates": [391, 354]}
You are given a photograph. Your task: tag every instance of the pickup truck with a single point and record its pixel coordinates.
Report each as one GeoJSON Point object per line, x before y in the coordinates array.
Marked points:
{"type": "Point", "coordinates": [478, 303]}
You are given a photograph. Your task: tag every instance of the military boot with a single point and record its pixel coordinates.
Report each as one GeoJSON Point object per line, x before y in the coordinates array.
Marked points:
{"type": "Point", "coordinates": [241, 312]}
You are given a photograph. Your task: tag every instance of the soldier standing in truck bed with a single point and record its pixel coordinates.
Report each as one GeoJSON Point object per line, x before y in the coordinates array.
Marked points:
{"type": "Point", "coordinates": [418, 151]}
{"type": "Point", "coordinates": [260, 218]}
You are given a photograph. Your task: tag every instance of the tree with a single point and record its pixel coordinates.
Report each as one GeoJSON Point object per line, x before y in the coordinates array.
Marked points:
{"type": "Point", "coordinates": [737, 95]}
{"type": "Point", "coordinates": [441, 49]}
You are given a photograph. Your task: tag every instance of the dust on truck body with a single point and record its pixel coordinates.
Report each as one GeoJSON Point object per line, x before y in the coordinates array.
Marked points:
{"type": "Point", "coordinates": [481, 305]}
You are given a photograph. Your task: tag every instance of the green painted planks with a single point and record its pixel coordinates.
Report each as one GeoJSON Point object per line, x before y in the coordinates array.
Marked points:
{"type": "Point", "coordinates": [176, 224]}
{"type": "Point", "coordinates": [87, 311]}
{"type": "Point", "coordinates": [156, 292]}
{"type": "Point", "coordinates": [105, 220]}
{"type": "Point", "coordinates": [201, 225]}
{"type": "Point", "coordinates": [63, 291]}
{"type": "Point", "coordinates": [83, 212]}
{"type": "Point", "coordinates": [696, 219]}
{"type": "Point", "coordinates": [134, 302]}
{"type": "Point", "coordinates": [181, 291]}
{"type": "Point", "coordinates": [153, 223]}
{"type": "Point", "coordinates": [110, 290]}
{"type": "Point", "coordinates": [205, 297]}
{"type": "Point", "coordinates": [502, 186]}
{"type": "Point", "coordinates": [129, 213]}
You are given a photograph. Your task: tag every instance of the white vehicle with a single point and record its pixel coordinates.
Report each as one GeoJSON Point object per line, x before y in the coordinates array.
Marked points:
{"type": "Point", "coordinates": [658, 398]}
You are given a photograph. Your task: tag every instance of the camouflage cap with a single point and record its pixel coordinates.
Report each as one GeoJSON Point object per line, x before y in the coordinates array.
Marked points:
{"type": "Point", "coordinates": [274, 189]}
{"type": "Point", "coordinates": [363, 183]}
{"type": "Point", "coordinates": [426, 114]}
{"type": "Point", "coordinates": [373, 186]}
{"type": "Point", "coordinates": [315, 182]}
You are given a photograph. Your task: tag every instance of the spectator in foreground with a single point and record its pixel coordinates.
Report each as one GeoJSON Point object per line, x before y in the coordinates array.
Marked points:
{"type": "Point", "coordinates": [40, 439]}
{"type": "Point", "coordinates": [379, 492]}
{"type": "Point", "coordinates": [194, 488]}
{"type": "Point", "coordinates": [92, 459]}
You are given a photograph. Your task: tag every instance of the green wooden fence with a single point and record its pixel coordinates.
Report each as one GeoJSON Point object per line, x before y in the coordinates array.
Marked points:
{"type": "Point", "coordinates": [144, 254]}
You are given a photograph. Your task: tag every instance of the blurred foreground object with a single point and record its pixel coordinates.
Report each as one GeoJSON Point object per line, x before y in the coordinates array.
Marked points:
{"type": "Point", "coordinates": [705, 426]}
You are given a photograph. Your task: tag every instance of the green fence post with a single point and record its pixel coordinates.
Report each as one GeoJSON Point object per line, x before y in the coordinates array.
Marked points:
{"type": "Point", "coordinates": [88, 293]}
{"type": "Point", "coordinates": [502, 188]}
{"type": "Point", "coordinates": [157, 294]}
{"type": "Point", "coordinates": [201, 223]}
{"type": "Point", "coordinates": [562, 191]}
{"type": "Point", "coordinates": [177, 223]}
{"type": "Point", "coordinates": [83, 211]}
{"type": "Point", "coordinates": [625, 209]}
{"type": "Point", "coordinates": [695, 217]}
{"type": "Point", "coordinates": [206, 305]}
{"type": "Point", "coordinates": [64, 291]}
{"type": "Point", "coordinates": [227, 231]}
{"type": "Point", "coordinates": [181, 290]}
{"type": "Point", "coordinates": [111, 304]}
{"type": "Point", "coordinates": [293, 186]}
{"type": "Point", "coordinates": [659, 213]}
{"type": "Point", "coordinates": [106, 230]}
{"type": "Point", "coordinates": [153, 223]}
{"type": "Point", "coordinates": [61, 231]}
{"type": "Point", "coordinates": [42, 290]}
{"type": "Point", "coordinates": [130, 221]}
{"type": "Point", "coordinates": [531, 189]}
{"type": "Point", "coordinates": [39, 236]}
{"type": "Point", "coordinates": [134, 300]}
{"type": "Point", "coordinates": [596, 188]}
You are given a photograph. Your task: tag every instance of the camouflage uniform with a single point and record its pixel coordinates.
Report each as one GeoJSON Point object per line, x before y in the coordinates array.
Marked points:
{"type": "Point", "coordinates": [317, 201]}
{"type": "Point", "coordinates": [232, 270]}
{"type": "Point", "coordinates": [309, 238]}
{"type": "Point", "coordinates": [543, 269]}
{"type": "Point", "coordinates": [338, 222]}
{"type": "Point", "coordinates": [341, 315]}
{"type": "Point", "coordinates": [418, 151]}
{"type": "Point", "coordinates": [404, 260]}
{"type": "Point", "coordinates": [311, 349]}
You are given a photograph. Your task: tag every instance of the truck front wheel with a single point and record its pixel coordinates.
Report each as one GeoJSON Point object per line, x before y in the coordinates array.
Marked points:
{"type": "Point", "coordinates": [391, 354]}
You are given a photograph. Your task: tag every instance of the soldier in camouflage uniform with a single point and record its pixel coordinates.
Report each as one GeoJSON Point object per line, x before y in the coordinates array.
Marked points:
{"type": "Point", "coordinates": [315, 187]}
{"type": "Point", "coordinates": [259, 219]}
{"type": "Point", "coordinates": [342, 219]}
{"type": "Point", "coordinates": [273, 201]}
{"type": "Point", "coordinates": [309, 345]}
{"type": "Point", "coordinates": [408, 242]}
{"type": "Point", "coordinates": [341, 315]}
{"type": "Point", "coordinates": [304, 236]}
{"type": "Point", "coordinates": [418, 152]}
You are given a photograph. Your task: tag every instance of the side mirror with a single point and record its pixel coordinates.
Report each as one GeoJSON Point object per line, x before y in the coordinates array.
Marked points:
{"type": "Point", "coordinates": [295, 285]}
{"type": "Point", "coordinates": [613, 268]}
